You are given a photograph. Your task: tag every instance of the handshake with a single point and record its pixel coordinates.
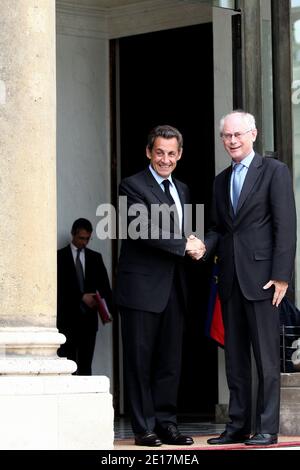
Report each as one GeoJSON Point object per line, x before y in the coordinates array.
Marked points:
{"type": "Point", "coordinates": [195, 248]}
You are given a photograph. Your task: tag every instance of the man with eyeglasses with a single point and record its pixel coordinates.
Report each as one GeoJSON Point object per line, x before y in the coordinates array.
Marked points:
{"type": "Point", "coordinates": [80, 273]}
{"type": "Point", "coordinates": [254, 233]}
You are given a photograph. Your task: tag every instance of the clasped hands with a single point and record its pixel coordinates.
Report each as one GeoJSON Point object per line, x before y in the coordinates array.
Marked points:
{"type": "Point", "coordinates": [195, 248]}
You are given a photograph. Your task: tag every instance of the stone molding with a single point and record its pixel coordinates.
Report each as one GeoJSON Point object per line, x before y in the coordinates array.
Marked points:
{"type": "Point", "coordinates": [81, 21]}
{"type": "Point", "coordinates": [32, 351]}
{"type": "Point", "coordinates": [36, 366]}
{"type": "Point", "coordinates": [138, 18]}
{"type": "Point", "coordinates": [52, 385]}
{"type": "Point", "coordinates": [29, 340]}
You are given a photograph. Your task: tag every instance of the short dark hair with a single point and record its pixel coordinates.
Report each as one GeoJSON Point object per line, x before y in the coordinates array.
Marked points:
{"type": "Point", "coordinates": [166, 132]}
{"type": "Point", "coordinates": [81, 224]}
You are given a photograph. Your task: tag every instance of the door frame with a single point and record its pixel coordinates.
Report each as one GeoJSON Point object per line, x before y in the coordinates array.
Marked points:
{"type": "Point", "coordinates": [224, 66]}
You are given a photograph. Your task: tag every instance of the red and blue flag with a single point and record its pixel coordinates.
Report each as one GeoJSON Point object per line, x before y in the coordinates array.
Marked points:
{"type": "Point", "coordinates": [214, 327]}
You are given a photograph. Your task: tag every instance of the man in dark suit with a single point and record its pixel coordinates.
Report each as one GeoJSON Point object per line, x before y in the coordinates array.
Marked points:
{"type": "Point", "coordinates": [80, 272]}
{"type": "Point", "coordinates": [151, 291]}
{"type": "Point", "coordinates": [254, 232]}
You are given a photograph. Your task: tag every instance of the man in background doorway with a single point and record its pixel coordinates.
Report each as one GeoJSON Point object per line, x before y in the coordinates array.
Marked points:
{"type": "Point", "coordinates": [80, 273]}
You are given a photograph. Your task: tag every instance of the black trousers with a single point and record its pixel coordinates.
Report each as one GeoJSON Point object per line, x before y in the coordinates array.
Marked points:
{"type": "Point", "coordinates": [152, 348]}
{"type": "Point", "coordinates": [79, 347]}
{"type": "Point", "coordinates": [253, 323]}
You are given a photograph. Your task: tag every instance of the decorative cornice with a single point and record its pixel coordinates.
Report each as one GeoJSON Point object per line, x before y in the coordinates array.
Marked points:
{"type": "Point", "coordinates": [135, 18]}
{"type": "Point", "coordinates": [156, 15]}
{"type": "Point", "coordinates": [83, 21]}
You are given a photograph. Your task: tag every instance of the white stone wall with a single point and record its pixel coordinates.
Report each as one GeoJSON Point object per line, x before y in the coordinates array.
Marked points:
{"type": "Point", "coordinates": [83, 154]}
{"type": "Point", "coordinates": [55, 413]}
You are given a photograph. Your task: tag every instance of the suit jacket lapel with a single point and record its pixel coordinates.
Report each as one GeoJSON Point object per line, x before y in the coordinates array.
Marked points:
{"type": "Point", "coordinates": [226, 191]}
{"type": "Point", "coordinates": [184, 199]}
{"type": "Point", "coordinates": [181, 192]}
{"type": "Point", "coordinates": [71, 264]}
{"type": "Point", "coordinates": [87, 265]}
{"type": "Point", "coordinates": [160, 194]}
{"type": "Point", "coordinates": [251, 177]}
{"type": "Point", "coordinates": [155, 188]}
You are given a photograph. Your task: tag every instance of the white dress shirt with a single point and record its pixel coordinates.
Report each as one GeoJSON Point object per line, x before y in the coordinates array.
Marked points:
{"type": "Point", "coordinates": [81, 256]}
{"type": "Point", "coordinates": [173, 192]}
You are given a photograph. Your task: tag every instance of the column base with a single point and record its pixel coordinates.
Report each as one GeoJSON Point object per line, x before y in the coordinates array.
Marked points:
{"type": "Point", "coordinates": [36, 366]}
{"type": "Point", "coordinates": [290, 404]}
{"type": "Point", "coordinates": [56, 413]}
{"type": "Point", "coordinates": [32, 351]}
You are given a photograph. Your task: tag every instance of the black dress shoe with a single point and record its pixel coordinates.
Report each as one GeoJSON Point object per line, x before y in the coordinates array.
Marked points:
{"type": "Point", "coordinates": [170, 435]}
{"type": "Point", "coordinates": [149, 439]}
{"type": "Point", "coordinates": [226, 438]}
{"type": "Point", "coordinates": [260, 439]}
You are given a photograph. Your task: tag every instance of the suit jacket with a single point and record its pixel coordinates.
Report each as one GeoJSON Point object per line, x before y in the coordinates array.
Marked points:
{"type": "Point", "coordinates": [69, 316]}
{"type": "Point", "coordinates": [259, 242]}
{"type": "Point", "coordinates": [146, 265]}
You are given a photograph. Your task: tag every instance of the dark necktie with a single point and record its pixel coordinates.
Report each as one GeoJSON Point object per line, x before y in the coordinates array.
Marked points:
{"type": "Point", "coordinates": [174, 223]}
{"type": "Point", "coordinates": [166, 184]}
{"type": "Point", "coordinates": [79, 271]}
{"type": "Point", "coordinates": [236, 185]}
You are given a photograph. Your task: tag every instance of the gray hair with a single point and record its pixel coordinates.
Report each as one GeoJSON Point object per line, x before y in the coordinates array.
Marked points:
{"type": "Point", "coordinates": [248, 118]}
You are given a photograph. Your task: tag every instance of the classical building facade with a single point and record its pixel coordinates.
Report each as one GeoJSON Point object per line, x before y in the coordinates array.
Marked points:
{"type": "Point", "coordinates": [81, 84]}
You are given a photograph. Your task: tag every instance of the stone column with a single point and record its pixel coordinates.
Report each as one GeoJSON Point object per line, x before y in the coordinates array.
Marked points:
{"type": "Point", "coordinates": [42, 406]}
{"type": "Point", "coordinates": [28, 335]}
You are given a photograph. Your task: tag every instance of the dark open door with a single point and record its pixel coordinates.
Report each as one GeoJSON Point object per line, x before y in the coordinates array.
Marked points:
{"type": "Point", "coordinates": [168, 77]}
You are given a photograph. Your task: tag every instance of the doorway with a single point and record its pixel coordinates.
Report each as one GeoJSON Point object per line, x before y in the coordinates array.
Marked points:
{"type": "Point", "coordinates": [167, 77]}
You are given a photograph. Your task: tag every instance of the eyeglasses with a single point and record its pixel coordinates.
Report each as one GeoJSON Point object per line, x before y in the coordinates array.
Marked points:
{"type": "Point", "coordinates": [237, 135]}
